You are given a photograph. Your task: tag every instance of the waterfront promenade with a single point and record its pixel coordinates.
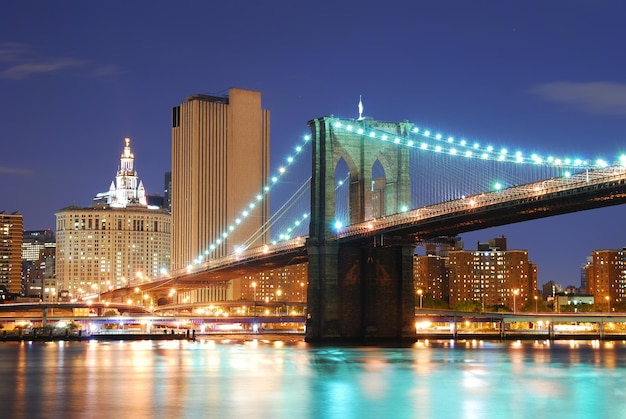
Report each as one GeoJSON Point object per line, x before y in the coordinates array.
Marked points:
{"type": "Point", "coordinates": [429, 324]}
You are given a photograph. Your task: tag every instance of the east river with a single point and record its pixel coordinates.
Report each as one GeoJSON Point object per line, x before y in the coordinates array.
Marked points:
{"type": "Point", "coordinates": [258, 378]}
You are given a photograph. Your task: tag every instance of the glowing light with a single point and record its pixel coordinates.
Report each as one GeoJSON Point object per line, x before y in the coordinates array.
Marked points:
{"type": "Point", "coordinates": [360, 131]}
{"type": "Point", "coordinates": [307, 137]}
{"type": "Point", "coordinates": [450, 139]}
{"type": "Point", "coordinates": [416, 130]}
{"type": "Point", "coordinates": [384, 138]}
{"type": "Point", "coordinates": [409, 143]}
{"type": "Point", "coordinates": [424, 146]}
{"type": "Point", "coordinates": [476, 145]}
{"type": "Point", "coordinates": [396, 140]}
{"type": "Point", "coordinates": [453, 151]}
{"type": "Point", "coordinates": [468, 153]}
{"type": "Point", "coordinates": [282, 170]}
{"type": "Point", "coordinates": [338, 225]}
{"type": "Point", "coordinates": [426, 133]}
{"type": "Point", "coordinates": [497, 186]}
{"type": "Point", "coordinates": [438, 149]}
{"type": "Point", "coordinates": [290, 159]}
{"type": "Point", "coordinates": [438, 136]}
{"type": "Point", "coordinates": [404, 208]}
{"type": "Point", "coordinates": [372, 134]}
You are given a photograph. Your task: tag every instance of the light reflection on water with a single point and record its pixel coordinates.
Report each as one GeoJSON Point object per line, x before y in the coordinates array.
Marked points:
{"type": "Point", "coordinates": [290, 379]}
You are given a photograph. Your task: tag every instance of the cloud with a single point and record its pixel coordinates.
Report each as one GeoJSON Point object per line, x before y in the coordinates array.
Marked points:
{"type": "Point", "coordinates": [19, 62]}
{"type": "Point", "coordinates": [23, 71]}
{"type": "Point", "coordinates": [599, 98]}
{"type": "Point", "coordinates": [16, 171]}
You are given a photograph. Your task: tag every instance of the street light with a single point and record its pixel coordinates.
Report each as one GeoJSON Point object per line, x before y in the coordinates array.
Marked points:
{"type": "Point", "coordinates": [515, 292]}
{"type": "Point", "coordinates": [420, 292]}
{"type": "Point", "coordinates": [608, 300]}
{"type": "Point", "coordinates": [253, 284]}
{"type": "Point", "coordinates": [536, 302]}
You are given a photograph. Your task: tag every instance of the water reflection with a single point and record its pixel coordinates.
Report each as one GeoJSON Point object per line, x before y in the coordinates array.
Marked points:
{"type": "Point", "coordinates": [269, 378]}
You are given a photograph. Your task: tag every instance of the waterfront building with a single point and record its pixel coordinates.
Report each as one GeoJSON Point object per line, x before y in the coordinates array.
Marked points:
{"type": "Point", "coordinates": [220, 164]}
{"type": "Point", "coordinates": [284, 284]}
{"type": "Point", "coordinates": [123, 242]}
{"type": "Point", "coordinates": [492, 275]}
{"type": "Point", "coordinates": [11, 227]}
{"type": "Point", "coordinates": [606, 276]}
{"type": "Point", "coordinates": [431, 276]}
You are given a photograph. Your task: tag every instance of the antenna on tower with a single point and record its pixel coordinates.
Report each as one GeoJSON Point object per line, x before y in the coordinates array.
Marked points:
{"type": "Point", "coordinates": [360, 109]}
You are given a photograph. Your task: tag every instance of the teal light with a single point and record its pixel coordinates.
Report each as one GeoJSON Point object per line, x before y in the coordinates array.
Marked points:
{"type": "Point", "coordinates": [497, 186]}
{"type": "Point", "coordinates": [404, 208]}
{"type": "Point", "coordinates": [338, 225]}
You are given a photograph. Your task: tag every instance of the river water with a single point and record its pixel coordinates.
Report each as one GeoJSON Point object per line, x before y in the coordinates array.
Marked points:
{"type": "Point", "coordinates": [290, 379]}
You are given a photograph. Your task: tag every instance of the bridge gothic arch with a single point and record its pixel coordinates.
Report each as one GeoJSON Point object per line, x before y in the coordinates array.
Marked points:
{"type": "Point", "coordinates": [358, 290]}
{"type": "Point", "coordinates": [332, 142]}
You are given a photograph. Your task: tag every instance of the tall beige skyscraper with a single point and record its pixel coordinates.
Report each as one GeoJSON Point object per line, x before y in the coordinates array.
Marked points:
{"type": "Point", "coordinates": [220, 164]}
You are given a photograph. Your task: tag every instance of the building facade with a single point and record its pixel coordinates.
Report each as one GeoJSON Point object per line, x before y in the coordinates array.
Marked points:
{"type": "Point", "coordinates": [120, 243]}
{"type": "Point", "coordinates": [606, 276]}
{"type": "Point", "coordinates": [492, 276]}
{"type": "Point", "coordinates": [34, 258]}
{"type": "Point", "coordinates": [220, 164]}
{"type": "Point", "coordinates": [220, 172]}
{"type": "Point", "coordinates": [11, 227]}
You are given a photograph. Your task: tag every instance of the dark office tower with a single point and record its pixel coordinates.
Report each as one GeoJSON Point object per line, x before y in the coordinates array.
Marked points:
{"type": "Point", "coordinates": [11, 226]}
{"type": "Point", "coordinates": [220, 164]}
{"type": "Point", "coordinates": [167, 192]}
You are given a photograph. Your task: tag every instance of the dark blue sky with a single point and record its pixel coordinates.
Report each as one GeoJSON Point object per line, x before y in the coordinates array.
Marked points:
{"type": "Point", "coordinates": [77, 77]}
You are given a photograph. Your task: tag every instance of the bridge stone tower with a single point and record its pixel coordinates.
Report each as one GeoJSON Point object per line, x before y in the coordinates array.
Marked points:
{"type": "Point", "coordinates": [360, 289]}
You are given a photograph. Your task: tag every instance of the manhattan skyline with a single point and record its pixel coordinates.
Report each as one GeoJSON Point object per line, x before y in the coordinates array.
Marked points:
{"type": "Point", "coordinates": [78, 78]}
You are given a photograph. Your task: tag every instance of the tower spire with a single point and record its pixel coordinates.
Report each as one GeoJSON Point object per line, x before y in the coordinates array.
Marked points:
{"type": "Point", "coordinates": [360, 108]}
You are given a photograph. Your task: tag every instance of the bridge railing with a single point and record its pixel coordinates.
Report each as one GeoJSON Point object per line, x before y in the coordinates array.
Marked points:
{"type": "Point", "coordinates": [247, 255]}
{"type": "Point", "coordinates": [486, 199]}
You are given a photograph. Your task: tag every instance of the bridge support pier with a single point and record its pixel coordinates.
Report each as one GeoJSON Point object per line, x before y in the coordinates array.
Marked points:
{"type": "Point", "coordinates": [44, 317]}
{"type": "Point", "coordinates": [361, 293]}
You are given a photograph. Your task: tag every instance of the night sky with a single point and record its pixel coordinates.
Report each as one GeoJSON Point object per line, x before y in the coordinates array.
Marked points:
{"type": "Point", "coordinates": [77, 77]}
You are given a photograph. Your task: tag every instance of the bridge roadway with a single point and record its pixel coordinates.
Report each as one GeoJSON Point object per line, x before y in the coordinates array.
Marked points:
{"type": "Point", "coordinates": [583, 191]}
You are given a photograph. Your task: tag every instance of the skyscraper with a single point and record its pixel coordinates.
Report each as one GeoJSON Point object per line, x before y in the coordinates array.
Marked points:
{"type": "Point", "coordinates": [11, 226]}
{"type": "Point", "coordinates": [220, 163]}
{"type": "Point", "coordinates": [115, 244]}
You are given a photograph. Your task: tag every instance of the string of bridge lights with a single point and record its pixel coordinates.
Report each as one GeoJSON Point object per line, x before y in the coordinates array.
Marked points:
{"type": "Point", "coordinates": [436, 143]}
{"type": "Point", "coordinates": [258, 199]}
{"type": "Point", "coordinates": [439, 143]}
